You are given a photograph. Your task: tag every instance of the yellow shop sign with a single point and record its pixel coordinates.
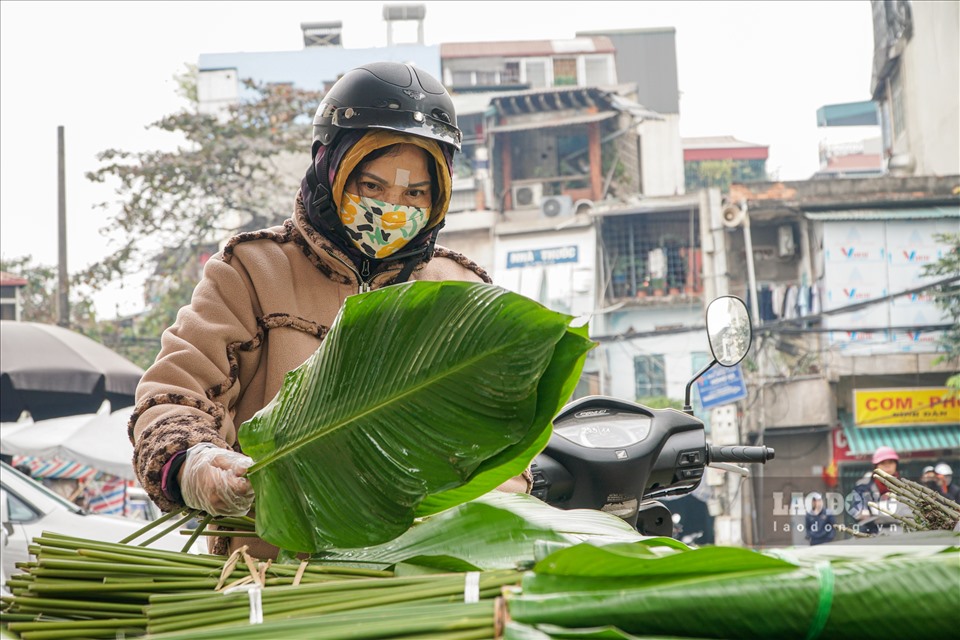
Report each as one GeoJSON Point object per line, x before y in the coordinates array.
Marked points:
{"type": "Point", "coordinates": [886, 407]}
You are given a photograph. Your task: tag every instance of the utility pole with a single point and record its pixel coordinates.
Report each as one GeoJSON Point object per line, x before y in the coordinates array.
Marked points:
{"type": "Point", "coordinates": [63, 298]}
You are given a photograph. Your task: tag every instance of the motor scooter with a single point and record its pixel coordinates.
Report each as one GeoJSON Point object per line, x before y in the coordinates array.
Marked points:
{"type": "Point", "coordinates": [619, 456]}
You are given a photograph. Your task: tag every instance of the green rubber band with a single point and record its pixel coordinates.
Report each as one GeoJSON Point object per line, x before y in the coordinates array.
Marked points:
{"type": "Point", "coordinates": [825, 578]}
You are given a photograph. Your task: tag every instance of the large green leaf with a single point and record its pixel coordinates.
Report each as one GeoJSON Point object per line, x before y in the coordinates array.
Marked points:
{"type": "Point", "coordinates": [419, 389]}
{"type": "Point", "coordinates": [495, 531]}
{"type": "Point", "coordinates": [555, 388]}
{"type": "Point", "coordinates": [624, 560]}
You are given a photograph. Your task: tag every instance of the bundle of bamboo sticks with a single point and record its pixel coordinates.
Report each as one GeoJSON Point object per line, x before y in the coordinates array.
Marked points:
{"type": "Point", "coordinates": [82, 588]}
{"type": "Point", "coordinates": [931, 509]}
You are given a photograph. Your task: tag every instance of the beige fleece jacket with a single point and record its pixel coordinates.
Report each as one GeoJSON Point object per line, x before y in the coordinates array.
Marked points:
{"type": "Point", "coordinates": [262, 307]}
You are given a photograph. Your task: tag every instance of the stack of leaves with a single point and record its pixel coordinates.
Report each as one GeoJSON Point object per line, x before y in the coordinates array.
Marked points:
{"type": "Point", "coordinates": [719, 592]}
{"type": "Point", "coordinates": [422, 396]}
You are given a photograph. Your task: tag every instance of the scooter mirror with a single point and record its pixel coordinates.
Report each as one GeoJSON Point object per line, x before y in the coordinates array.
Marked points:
{"type": "Point", "coordinates": [728, 330]}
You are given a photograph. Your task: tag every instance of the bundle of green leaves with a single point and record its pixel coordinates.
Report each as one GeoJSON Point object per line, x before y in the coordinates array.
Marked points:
{"type": "Point", "coordinates": [906, 590]}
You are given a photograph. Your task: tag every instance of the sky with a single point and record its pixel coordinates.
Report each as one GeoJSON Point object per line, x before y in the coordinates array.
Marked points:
{"type": "Point", "coordinates": [104, 71]}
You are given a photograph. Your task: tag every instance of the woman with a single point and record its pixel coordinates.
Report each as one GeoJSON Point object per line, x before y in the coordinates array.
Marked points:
{"type": "Point", "coordinates": [367, 215]}
{"type": "Point", "coordinates": [869, 489]}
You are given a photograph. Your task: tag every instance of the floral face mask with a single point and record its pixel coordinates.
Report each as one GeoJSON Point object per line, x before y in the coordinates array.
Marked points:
{"type": "Point", "coordinates": [378, 228]}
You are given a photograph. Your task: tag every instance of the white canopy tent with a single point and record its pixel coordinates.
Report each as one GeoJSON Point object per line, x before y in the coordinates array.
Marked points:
{"type": "Point", "coordinates": [98, 440]}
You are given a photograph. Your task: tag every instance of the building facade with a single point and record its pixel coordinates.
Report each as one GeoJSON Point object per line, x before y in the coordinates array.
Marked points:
{"type": "Point", "coordinates": [916, 83]}
{"type": "Point", "coordinates": [846, 354]}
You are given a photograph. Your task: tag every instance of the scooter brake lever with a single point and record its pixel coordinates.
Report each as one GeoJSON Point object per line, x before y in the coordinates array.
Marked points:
{"type": "Point", "coordinates": [726, 466]}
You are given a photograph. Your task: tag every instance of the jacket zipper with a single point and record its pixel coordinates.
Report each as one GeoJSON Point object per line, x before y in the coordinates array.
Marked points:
{"type": "Point", "coordinates": [363, 282]}
{"type": "Point", "coordinates": [363, 276]}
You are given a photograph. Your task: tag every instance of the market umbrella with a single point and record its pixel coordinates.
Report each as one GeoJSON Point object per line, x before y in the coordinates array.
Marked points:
{"type": "Point", "coordinates": [53, 372]}
{"type": "Point", "coordinates": [99, 441]}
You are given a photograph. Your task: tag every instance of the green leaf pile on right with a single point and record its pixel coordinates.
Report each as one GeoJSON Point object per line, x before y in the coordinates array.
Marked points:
{"type": "Point", "coordinates": [725, 592]}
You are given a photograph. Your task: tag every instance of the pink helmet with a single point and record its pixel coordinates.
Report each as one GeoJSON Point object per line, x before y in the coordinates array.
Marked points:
{"type": "Point", "coordinates": [884, 453]}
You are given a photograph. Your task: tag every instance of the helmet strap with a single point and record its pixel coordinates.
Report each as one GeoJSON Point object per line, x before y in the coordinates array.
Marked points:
{"type": "Point", "coordinates": [320, 209]}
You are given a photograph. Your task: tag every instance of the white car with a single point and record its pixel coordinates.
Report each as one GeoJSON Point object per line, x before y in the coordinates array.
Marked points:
{"type": "Point", "coordinates": [27, 509]}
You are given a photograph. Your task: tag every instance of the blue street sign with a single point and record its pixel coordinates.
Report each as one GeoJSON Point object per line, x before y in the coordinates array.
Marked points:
{"type": "Point", "coordinates": [532, 257]}
{"type": "Point", "coordinates": [720, 386]}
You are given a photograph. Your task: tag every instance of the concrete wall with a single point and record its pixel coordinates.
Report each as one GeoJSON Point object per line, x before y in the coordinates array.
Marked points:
{"type": "Point", "coordinates": [931, 76]}
{"type": "Point", "coordinates": [661, 156]}
{"type": "Point", "coordinates": [677, 348]}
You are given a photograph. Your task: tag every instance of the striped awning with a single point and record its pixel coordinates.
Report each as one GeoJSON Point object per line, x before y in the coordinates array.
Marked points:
{"type": "Point", "coordinates": [865, 440]}
{"type": "Point", "coordinates": [55, 469]}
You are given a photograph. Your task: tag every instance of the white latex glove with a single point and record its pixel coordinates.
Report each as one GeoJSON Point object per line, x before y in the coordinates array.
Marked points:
{"type": "Point", "coordinates": [212, 479]}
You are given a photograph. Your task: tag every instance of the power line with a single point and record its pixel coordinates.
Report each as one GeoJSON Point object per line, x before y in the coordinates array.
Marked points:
{"type": "Point", "coordinates": [788, 326]}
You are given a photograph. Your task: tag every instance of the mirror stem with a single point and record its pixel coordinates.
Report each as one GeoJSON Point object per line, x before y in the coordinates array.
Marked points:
{"type": "Point", "coordinates": [687, 409]}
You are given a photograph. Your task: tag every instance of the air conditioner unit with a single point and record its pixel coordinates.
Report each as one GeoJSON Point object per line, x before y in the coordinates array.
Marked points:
{"type": "Point", "coordinates": [556, 206]}
{"type": "Point", "coordinates": [527, 196]}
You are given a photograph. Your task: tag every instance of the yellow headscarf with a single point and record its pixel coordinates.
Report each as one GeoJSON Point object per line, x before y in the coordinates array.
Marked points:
{"type": "Point", "coordinates": [379, 138]}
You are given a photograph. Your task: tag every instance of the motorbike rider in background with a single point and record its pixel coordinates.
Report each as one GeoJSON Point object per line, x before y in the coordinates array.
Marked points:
{"type": "Point", "coordinates": [945, 483]}
{"type": "Point", "coordinates": [869, 489]}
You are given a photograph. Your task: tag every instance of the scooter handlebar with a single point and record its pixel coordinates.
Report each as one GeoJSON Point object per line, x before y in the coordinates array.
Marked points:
{"type": "Point", "coordinates": [731, 453]}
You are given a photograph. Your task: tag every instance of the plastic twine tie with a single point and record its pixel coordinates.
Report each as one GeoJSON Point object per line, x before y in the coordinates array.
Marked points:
{"type": "Point", "coordinates": [825, 578]}
{"type": "Point", "coordinates": [471, 587]}
{"type": "Point", "coordinates": [255, 598]}
{"type": "Point", "coordinates": [256, 605]}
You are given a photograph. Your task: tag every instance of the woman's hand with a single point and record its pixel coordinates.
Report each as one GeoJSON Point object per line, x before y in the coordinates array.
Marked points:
{"type": "Point", "coordinates": [212, 479]}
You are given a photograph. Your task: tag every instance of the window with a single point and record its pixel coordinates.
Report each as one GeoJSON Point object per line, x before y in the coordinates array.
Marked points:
{"type": "Point", "coordinates": [573, 158]}
{"type": "Point", "coordinates": [698, 360]}
{"type": "Point", "coordinates": [510, 73]}
{"type": "Point", "coordinates": [486, 78]}
{"type": "Point", "coordinates": [536, 74]}
{"type": "Point", "coordinates": [18, 510]}
{"type": "Point", "coordinates": [650, 376]}
{"type": "Point", "coordinates": [462, 78]}
{"type": "Point", "coordinates": [648, 255]}
{"type": "Point", "coordinates": [564, 71]}
{"type": "Point", "coordinates": [597, 71]}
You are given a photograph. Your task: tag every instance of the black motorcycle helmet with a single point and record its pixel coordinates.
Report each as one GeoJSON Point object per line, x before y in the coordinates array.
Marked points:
{"type": "Point", "coordinates": [387, 95]}
{"type": "Point", "coordinates": [379, 95]}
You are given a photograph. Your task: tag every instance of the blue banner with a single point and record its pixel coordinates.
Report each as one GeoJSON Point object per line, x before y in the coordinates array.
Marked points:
{"type": "Point", "coordinates": [532, 257]}
{"type": "Point", "coordinates": [720, 386]}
